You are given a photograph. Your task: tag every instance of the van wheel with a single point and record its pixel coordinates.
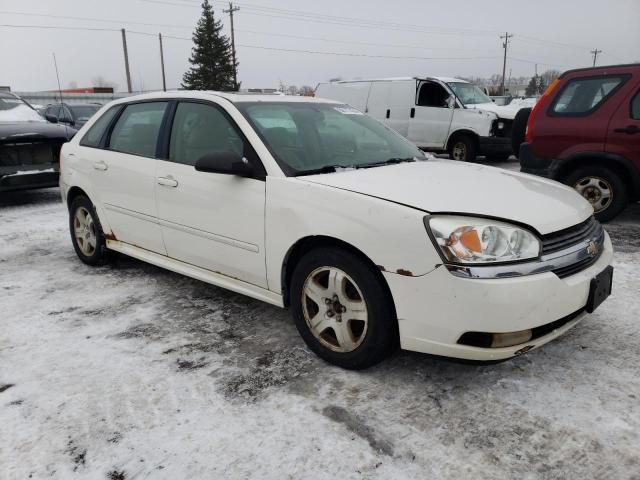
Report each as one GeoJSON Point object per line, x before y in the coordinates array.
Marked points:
{"type": "Point", "coordinates": [341, 309]}
{"type": "Point", "coordinates": [603, 188]}
{"type": "Point", "coordinates": [463, 148]}
{"type": "Point", "coordinates": [86, 232]}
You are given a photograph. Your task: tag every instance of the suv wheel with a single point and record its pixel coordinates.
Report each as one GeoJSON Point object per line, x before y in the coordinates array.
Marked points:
{"type": "Point", "coordinates": [341, 309]}
{"type": "Point", "coordinates": [602, 187]}
{"type": "Point", "coordinates": [86, 232]}
{"type": "Point", "coordinates": [463, 148]}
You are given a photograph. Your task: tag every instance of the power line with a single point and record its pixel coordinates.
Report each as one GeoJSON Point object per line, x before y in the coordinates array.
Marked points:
{"type": "Point", "coordinates": [595, 52]}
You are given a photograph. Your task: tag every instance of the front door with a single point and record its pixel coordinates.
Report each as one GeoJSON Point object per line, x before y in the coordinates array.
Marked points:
{"type": "Point", "coordinates": [124, 175]}
{"type": "Point", "coordinates": [429, 126]}
{"type": "Point", "coordinates": [214, 221]}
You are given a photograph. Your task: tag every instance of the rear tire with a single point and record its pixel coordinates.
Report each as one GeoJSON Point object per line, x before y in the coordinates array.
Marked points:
{"type": "Point", "coordinates": [86, 232]}
{"type": "Point", "coordinates": [603, 188]}
{"type": "Point", "coordinates": [342, 310]}
{"type": "Point", "coordinates": [518, 129]}
{"type": "Point", "coordinates": [463, 148]}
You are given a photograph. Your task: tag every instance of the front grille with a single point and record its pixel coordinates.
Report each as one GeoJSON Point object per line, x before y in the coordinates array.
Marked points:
{"type": "Point", "coordinates": [568, 237]}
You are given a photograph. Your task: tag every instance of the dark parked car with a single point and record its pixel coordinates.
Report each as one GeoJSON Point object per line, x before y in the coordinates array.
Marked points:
{"type": "Point", "coordinates": [29, 146]}
{"type": "Point", "coordinates": [585, 132]}
{"type": "Point", "coordinates": [74, 115]}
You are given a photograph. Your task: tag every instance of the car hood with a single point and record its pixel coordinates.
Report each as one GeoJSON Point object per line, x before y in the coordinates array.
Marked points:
{"type": "Point", "coordinates": [24, 132]}
{"type": "Point", "coordinates": [445, 186]}
{"type": "Point", "coordinates": [507, 112]}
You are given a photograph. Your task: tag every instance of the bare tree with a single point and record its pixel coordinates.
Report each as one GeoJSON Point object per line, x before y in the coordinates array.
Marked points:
{"type": "Point", "coordinates": [306, 90]}
{"type": "Point", "coordinates": [292, 90]}
{"type": "Point", "coordinates": [550, 76]}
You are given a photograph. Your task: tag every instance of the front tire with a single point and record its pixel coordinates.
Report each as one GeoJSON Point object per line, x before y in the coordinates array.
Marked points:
{"type": "Point", "coordinates": [342, 310]}
{"type": "Point", "coordinates": [463, 148]}
{"type": "Point", "coordinates": [86, 232]}
{"type": "Point", "coordinates": [602, 187]}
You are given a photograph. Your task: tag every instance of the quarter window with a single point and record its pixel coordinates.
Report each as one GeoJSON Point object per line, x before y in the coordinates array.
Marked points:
{"type": "Point", "coordinates": [136, 131]}
{"type": "Point", "coordinates": [199, 129]}
{"type": "Point", "coordinates": [94, 136]}
{"type": "Point", "coordinates": [635, 107]}
{"type": "Point", "coordinates": [581, 96]}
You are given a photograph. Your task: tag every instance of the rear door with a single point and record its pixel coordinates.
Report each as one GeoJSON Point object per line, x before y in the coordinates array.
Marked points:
{"type": "Point", "coordinates": [623, 136]}
{"type": "Point", "coordinates": [123, 174]}
{"type": "Point", "coordinates": [429, 126]}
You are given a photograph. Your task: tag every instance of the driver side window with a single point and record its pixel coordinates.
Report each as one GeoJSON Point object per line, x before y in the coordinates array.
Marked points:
{"type": "Point", "coordinates": [433, 95]}
{"type": "Point", "coordinates": [199, 129]}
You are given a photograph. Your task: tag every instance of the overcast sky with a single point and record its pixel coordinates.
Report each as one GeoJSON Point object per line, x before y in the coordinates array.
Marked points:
{"type": "Point", "coordinates": [459, 37]}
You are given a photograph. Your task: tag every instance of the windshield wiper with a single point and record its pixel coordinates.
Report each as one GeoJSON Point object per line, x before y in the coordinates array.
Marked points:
{"type": "Point", "coordinates": [389, 161]}
{"type": "Point", "coordinates": [325, 169]}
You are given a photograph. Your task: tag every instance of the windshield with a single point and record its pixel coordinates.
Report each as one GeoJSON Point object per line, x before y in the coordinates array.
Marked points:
{"type": "Point", "coordinates": [307, 137]}
{"type": "Point", "coordinates": [84, 112]}
{"type": "Point", "coordinates": [468, 93]}
{"type": "Point", "coordinates": [14, 109]}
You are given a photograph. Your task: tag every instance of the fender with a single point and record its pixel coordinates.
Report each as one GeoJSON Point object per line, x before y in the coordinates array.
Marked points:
{"type": "Point", "coordinates": [559, 168]}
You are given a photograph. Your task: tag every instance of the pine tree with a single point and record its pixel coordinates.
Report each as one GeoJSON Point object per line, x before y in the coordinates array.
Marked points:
{"type": "Point", "coordinates": [211, 59]}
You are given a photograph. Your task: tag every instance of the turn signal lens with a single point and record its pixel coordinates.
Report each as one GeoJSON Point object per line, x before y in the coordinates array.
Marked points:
{"type": "Point", "coordinates": [476, 240]}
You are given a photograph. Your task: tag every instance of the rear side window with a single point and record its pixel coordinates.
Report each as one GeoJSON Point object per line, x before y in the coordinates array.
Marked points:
{"type": "Point", "coordinates": [94, 136]}
{"type": "Point", "coordinates": [136, 131]}
{"type": "Point", "coordinates": [635, 107]}
{"type": "Point", "coordinates": [581, 96]}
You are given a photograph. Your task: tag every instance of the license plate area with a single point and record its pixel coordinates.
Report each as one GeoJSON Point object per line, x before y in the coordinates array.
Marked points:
{"type": "Point", "coordinates": [600, 289]}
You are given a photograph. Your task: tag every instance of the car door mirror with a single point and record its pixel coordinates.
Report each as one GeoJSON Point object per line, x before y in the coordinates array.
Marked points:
{"type": "Point", "coordinates": [226, 163]}
{"type": "Point", "coordinates": [51, 118]}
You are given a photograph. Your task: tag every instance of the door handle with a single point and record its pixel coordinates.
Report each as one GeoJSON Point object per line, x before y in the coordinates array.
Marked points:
{"type": "Point", "coordinates": [168, 181]}
{"type": "Point", "coordinates": [630, 130]}
{"type": "Point", "coordinates": [412, 113]}
{"type": "Point", "coordinates": [100, 165]}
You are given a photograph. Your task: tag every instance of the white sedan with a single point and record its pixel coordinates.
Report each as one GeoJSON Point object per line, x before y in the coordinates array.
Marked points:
{"type": "Point", "coordinates": [310, 204]}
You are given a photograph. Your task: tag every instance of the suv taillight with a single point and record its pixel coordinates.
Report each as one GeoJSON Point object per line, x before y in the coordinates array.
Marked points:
{"type": "Point", "coordinates": [528, 134]}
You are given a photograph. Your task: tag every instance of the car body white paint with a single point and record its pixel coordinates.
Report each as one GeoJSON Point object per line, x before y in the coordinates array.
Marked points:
{"type": "Point", "coordinates": [378, 211]}
{"type": "Point", "coordinates": [430, 128]}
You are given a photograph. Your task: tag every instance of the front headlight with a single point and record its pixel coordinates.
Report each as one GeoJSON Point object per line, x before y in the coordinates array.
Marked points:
{"type": "Point", "coordinates": [478, 240]}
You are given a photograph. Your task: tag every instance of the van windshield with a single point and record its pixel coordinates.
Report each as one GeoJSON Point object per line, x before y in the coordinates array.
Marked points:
{"type": "Point", "coordinates": [307, 138]}
{"type": "Point", "coordinates": [468, 93]}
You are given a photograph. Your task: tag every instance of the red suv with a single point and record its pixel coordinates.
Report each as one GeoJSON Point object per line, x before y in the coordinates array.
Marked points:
{"type": "Point", "coordinates": [585, 132]}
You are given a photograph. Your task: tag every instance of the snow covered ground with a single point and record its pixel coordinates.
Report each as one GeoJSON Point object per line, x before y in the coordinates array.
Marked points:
{"type": "Point", "coordinates": [131, 372]}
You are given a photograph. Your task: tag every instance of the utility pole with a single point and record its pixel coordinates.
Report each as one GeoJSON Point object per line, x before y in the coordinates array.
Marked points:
{"type": "Point", "coordinates": [164, 80]}
{"type": "Point", "coordinates": [126, 59]}
{"type": "Point", "coordinates": [595, 52]}
{"type": "Point", "coordinates": [505, 45]}
{"type": "Point", "coordinates": [233, 43]}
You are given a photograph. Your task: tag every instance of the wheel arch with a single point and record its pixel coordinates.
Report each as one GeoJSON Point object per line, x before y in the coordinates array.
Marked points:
{"type": "Point", "coordinates": [73, 193]}
{"type": "Point", "coordinates": [460, 132]}
{"type": "Point", "coordinates": [622, 166]}
{"type": "Point", "coordinates": [312, 242]}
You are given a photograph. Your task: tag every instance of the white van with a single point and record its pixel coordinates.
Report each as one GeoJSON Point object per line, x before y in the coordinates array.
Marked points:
{"type": "Point", "coordinates": [436, 113]}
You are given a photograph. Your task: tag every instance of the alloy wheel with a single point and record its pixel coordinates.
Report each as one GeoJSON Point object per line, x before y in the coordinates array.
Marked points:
{"type": "Point", "coordinates": [597, 191]}
{"type": "Point", "coordinates": [334, 309]}
{"type": "Point", "coordinates": [84, 230]}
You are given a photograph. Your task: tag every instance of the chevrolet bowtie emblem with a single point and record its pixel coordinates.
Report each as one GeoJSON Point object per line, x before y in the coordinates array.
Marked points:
{"type": "Point", "coordinates": [592, 249]}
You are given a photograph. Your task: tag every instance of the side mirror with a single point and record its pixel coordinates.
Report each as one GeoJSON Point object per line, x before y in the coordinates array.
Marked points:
{"type": "Point", "coordinates": [51, 118]}
{"type": "Point", "coordinates": [226, 163]}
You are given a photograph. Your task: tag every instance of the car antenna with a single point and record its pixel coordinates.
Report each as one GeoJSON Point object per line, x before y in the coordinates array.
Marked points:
{"type": "Point", "coordinates": [55, 64]}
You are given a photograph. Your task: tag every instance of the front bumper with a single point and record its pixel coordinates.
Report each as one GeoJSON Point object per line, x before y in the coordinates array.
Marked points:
{"type": "Point", "coordinates": [494, 146]}
{"type": "Point", "coordinates": [436, 309]}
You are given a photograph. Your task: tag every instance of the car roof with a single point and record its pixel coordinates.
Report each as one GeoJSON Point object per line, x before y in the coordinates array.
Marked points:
{"type": "Point", "coordinates": [603, 69]}
{"type": "Point", "coordinates": [234, 98]}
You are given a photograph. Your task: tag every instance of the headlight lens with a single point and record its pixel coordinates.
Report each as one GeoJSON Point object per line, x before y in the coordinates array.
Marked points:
{"type": "Point", "coordinates": [478, 240]}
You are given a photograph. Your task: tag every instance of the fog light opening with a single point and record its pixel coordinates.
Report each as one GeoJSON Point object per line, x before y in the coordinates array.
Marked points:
{"type": "Point", "coordinates": [500, 340]}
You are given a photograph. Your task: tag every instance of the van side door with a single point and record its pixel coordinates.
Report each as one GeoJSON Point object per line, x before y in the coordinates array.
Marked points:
{"type": "Point", "coordinates": [430, 124]}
